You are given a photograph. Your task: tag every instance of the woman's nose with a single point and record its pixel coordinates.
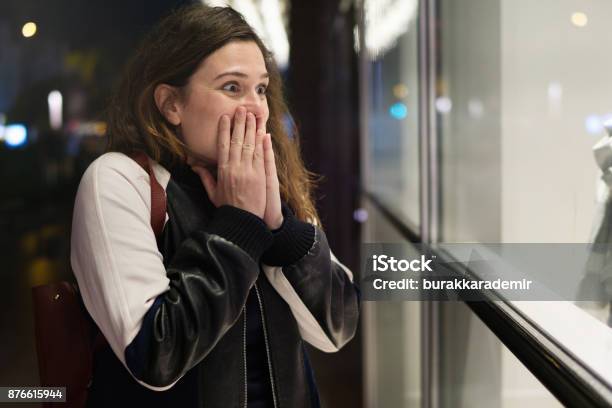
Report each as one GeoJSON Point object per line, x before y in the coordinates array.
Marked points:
{"type": "Point", "coordinates": [256, 108]}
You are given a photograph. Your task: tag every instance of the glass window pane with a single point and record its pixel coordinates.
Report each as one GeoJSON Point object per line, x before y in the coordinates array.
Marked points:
{"type": "Point", "coordinates": [393, 110]}
{"type": "Point", "coordinates": [478, 371]}
{"type": "Point", "coordinates": [523, 93]}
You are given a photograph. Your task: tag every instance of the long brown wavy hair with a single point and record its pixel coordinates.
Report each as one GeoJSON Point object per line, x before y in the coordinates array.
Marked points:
{"type": "Point", "coordinates": [170, 53]}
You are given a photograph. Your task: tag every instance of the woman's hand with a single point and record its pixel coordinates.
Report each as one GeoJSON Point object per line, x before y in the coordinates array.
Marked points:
{"type": "Point", "coordinates": [241, 171]}
{"type": "Point", "coordinates": [273, 216]}
{"type": "Point", "coordinates": [262, 156]}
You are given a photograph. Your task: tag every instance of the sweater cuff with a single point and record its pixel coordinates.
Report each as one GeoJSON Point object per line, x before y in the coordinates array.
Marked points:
{"type": "Point", "coordinates": [242, 228]}
{"type": "Point", "coordinates": [291, 241]}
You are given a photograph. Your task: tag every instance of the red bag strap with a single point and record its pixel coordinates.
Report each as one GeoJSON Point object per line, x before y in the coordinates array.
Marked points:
{"type": "Point", "coordinates": [158, 195]}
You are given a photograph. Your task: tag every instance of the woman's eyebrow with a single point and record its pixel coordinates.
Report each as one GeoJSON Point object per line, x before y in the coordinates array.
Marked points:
{"type": "Point", "coordinates": [239, 74]}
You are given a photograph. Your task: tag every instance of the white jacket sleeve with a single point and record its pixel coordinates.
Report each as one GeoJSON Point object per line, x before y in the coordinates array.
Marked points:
{"type": "Point", "coordinates": [113, 251]}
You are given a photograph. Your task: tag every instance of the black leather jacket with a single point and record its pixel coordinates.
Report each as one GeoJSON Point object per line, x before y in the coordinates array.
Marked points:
{"type": "Point", "coordinates": [196, 331]}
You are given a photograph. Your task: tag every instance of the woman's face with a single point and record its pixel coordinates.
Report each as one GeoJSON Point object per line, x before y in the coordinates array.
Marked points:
{"type": "Point", "coordinates": [234, 75]}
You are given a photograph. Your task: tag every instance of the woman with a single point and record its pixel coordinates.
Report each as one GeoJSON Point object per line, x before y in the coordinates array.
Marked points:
{"type": "Point", "coordinates": [215, 313]}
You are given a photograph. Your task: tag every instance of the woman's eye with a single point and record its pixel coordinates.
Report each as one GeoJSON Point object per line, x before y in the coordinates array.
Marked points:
{"type": "Point", "coordinates": [233, 87]}
{"type": "Point", "coordinates": [230, 87]}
